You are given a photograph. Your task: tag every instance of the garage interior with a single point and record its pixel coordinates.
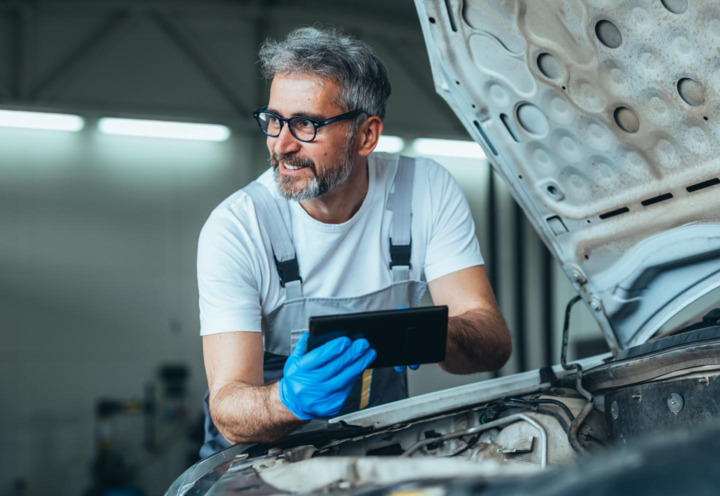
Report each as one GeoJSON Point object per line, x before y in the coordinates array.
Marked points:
{"type": "Point", "coordinates": [101, 350]}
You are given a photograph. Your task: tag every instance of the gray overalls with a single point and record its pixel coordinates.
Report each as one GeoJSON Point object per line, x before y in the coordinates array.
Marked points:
{"type": "Point", "coordinates": [283, 326]}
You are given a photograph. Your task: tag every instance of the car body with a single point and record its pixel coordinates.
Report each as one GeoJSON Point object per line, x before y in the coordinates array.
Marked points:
{"type": "Point", "coordinates": [603, 121]}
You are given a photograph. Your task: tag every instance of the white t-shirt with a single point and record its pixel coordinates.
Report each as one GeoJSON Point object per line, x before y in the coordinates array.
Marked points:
{"type": "Point", "coordinates": [238, 280]}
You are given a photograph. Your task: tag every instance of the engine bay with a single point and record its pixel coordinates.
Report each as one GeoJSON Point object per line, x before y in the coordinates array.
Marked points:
{"type": "Point", "coordinates": [668, 385]}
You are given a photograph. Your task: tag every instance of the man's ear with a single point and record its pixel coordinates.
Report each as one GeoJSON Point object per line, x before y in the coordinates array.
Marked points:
{"type": "Point", "coordinates": [368, 135]}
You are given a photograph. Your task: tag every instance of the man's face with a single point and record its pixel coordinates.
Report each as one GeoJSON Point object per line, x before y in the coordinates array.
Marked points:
{"type": "Point", "coordinates": [305, 171]}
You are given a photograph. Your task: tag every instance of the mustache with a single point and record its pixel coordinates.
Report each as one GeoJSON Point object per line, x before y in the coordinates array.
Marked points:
{"type": "Point", "coordinates": [293, 160]}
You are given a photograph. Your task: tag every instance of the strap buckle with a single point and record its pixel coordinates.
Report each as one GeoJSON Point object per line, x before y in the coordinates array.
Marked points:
{"type": "Point", "coordinates": [288, 270]}
{"type": "Point", "coordinates": [400, 255]}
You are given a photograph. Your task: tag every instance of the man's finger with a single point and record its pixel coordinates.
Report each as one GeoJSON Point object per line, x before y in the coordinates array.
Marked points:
{"type": "Point", "coordinates": [301, 345]}
{"type": "Point", "coordinates": [324, 354]}
{"type": "Point", "coordinates": [351, 371]}
{"type": "Point", "coordinates": [331, 369]}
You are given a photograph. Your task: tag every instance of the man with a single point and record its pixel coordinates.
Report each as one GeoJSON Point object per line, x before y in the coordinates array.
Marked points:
{"type": "Point", "coordinates": [330, 228]}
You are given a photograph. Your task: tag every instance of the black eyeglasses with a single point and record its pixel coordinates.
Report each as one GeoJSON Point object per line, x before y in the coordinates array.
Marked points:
{"type": "Point", "coordinates": [303, 128]}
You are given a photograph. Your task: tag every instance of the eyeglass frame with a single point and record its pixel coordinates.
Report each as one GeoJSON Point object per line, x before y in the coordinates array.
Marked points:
{"type": "Point", "coordinates": [316, 124]}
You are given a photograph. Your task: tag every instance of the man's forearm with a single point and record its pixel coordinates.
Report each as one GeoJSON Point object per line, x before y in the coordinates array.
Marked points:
{"type": "Point", "coordinates": [248, 414]}
{"type": "Point", "coordinates": [478, 341]}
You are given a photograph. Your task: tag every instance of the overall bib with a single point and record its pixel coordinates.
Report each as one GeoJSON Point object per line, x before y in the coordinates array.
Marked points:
{"type": "Point", "coordinates": [284, 325]}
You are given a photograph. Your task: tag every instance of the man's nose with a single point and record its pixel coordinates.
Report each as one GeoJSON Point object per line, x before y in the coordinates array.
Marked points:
{"type": "Point", "coordinates": [285, 143]}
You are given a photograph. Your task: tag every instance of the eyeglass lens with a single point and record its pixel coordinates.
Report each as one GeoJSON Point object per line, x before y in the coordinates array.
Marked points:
{"type": "Point", "coordinates": [301, 128]}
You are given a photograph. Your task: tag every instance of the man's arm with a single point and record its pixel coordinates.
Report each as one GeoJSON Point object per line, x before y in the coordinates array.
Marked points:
{"type": "Point", "coordinates": [478, 338]}
{"type": "Point", "coordinates": [242, 407]}
{"type": "Point", "coordinates": [315, 384]}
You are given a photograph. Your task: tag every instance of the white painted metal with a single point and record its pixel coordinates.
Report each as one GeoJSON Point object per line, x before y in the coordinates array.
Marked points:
{"type": "Point", "coordinates": [455, 398]}
{"type": "Point", "coordinates": [603, 122]}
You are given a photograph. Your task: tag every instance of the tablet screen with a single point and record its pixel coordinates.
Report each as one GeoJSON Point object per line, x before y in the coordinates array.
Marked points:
{"type": "Point", "coordinates": [400, 337]}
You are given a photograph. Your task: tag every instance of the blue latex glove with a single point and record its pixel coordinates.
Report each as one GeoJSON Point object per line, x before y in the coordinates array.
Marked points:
{"type": "Point", "coordinates": [315, 384]}
{"type": "Point", "coordinates": [401, 368]}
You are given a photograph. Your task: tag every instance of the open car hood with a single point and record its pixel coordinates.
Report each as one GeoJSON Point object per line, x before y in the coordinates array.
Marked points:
{"type": "Point", "coordinates": [604, 120]}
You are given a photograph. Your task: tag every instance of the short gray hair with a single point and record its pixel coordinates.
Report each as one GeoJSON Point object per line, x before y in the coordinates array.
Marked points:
{"type": "Point", "coordinates": [332, 55]}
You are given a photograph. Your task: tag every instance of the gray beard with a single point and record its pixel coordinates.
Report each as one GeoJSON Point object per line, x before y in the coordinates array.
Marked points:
{"type": "Point", "coordinates": [329, 179]}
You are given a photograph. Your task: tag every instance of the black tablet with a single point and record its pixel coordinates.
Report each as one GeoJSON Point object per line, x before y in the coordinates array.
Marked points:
{"type": "Point", "coordinates": [400, 337]}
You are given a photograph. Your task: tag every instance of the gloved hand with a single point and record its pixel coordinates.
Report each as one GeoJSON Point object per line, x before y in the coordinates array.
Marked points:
{"type": "Point", "coordinates": [401, 368]}
{"type": "Point", "coordinates": [315, 384]}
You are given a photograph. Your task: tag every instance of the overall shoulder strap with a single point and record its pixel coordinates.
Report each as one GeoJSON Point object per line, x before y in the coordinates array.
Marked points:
{"type": "Point", "coordinates": [274, 215]}
{"type": "Point", "coordinates": [400, 202]}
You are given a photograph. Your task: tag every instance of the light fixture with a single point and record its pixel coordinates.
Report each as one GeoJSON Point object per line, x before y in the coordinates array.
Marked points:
{"type": "Point", "coordinates": [41, 120]}
{"type": "Point", "coordinates": [390, 144]}
{"type": "Point", "coordinates": [164, 129]}
{"type": "Point", "coordinates": [447, 148]}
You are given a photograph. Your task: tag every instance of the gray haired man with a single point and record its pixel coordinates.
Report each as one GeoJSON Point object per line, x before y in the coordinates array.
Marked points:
{"type": "Point", "coordinates": [331, 227]}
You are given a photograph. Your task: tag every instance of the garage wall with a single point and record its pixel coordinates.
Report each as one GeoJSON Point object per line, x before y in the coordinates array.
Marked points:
{"type": "Point", "coordinates": [98, 289]}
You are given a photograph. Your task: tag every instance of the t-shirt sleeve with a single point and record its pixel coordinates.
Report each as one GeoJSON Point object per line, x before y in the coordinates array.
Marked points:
{"type": "Point", "coordinates": [228, 276]}
{"type": "Point", "coordinates": [453, 244]}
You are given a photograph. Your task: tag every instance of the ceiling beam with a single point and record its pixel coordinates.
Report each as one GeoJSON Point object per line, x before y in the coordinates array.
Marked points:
{"type": "Point", "coordinates": [204, 61]}
{"type": "Point", "coordinates": [421, 79]}
{"type": "Point", "coordinates": [351, 15]}
{"type": "Point", "coordinates": [262, 94]}
{"type": "Point", "coordinates": [92, 49]}
{"type": "Point", "coordinates": [23, 52]}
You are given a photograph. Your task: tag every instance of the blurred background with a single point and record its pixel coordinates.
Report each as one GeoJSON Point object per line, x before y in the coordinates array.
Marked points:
{"type": "Point", "coordinates": [101, 374]}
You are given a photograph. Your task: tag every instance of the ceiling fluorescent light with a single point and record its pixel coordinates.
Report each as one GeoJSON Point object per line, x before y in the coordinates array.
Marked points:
{"type": "Point", "coordinates": [447, 148]}
{"type": "Point", "coordinates": [390, 144]}
{"type": "Point", "coordinates": [164, 129]}
{"type": "Point", "coordinates": [41, 120]}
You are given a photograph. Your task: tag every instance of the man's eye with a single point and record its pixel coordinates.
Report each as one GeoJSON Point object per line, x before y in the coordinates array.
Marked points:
{"type": "Point", "coordinates": [303, 124]}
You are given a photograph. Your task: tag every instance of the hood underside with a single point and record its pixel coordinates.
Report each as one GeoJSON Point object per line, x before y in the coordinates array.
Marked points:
{"type": "Point", "coordinates": [604, 120]}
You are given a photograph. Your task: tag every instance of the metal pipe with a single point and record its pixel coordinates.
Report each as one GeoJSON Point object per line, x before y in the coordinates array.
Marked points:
{"type": "Point", "coordinates": [490, 425]}
{"type": "Point", "coordinates": [418, 75]}
{"type": "Point", "coordinates": [24, 52]}
{"type": "Point", "coordinates": [547, 304]}
{"type": "Point", "coordinates": [566, 334]}
{"type": "Point", "coordinates": [563, 353]}
{"type": "Point", "coordinates": [492, 237]}
{"type": "Point", "coordinates": [575, 427]}
{"type": "Point", "coordinates": [204, 62]}
{"type": "Point", "coordinates": [93, 49]}
{"type": "Point", "coordinates": [519, 289]}
{"type": "Point", "coordinates": [492, 234]}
